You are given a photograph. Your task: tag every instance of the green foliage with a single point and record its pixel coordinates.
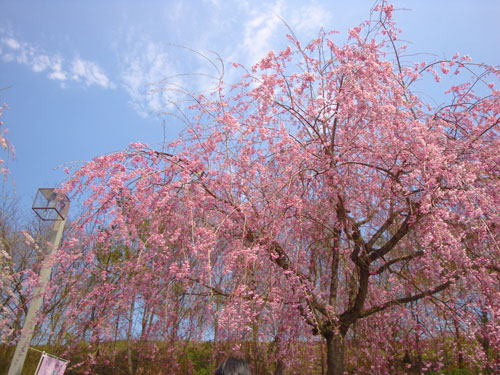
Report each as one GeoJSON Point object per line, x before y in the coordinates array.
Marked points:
{"type": "Point", "coordinates": [191, 358]}
{"type": "Point", "coordinates": [30, 364]}
{"type": "Point", "coordinates": [198, 357]}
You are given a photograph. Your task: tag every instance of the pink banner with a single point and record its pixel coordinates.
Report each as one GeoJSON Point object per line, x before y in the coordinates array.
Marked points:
{"type": "Point", "coordinates": [51, 366]}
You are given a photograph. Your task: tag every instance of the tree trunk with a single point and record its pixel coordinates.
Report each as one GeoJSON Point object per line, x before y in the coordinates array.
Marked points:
{"type": "Point", "coordinates": [129, 338]}
{"type": "Point", "coordinates": [334, 353]}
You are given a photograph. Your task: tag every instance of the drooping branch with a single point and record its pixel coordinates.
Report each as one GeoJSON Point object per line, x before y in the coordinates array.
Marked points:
{"type": "Point", "coordinates": [279, 257]}
{"type": "Point", "coordinates": [213, 289]}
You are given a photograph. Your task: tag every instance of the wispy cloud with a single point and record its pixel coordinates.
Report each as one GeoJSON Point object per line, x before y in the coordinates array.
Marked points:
{"type": "Point", "coordinates": [158, 76]}
{"type": "Point", "coordinates": [259, 30]}
{"type": "Point", "coordinates": [154, 73]}
{"type": "Point", "coordinates": [149, 77]}
{"type": "Point", "coordinates": [263, 25]}
{"type": "Point", "coordinates": [309, 18]}
{"type": "Point", "coordinates": [54, 65]}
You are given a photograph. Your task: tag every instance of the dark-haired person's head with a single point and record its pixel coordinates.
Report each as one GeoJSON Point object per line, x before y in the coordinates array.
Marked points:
{"type": "Point", "coordinates": [233, 366]}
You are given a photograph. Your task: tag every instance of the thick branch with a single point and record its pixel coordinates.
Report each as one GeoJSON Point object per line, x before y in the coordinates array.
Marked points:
{"type": "Point", "coordinates": [353, 312]}
{"type": "Point", "coordinates": [403, 300]}
{"type": "Point", "coordinates": [396, 260]}
{"type": "Point", "coordinates": [332, 301]}
{"type": "Point", "coordinates": [389, 245]}
{"type": "Point", "coordinates": [382, 229]}
{"type": "Point", "coordinates": [353, 233]}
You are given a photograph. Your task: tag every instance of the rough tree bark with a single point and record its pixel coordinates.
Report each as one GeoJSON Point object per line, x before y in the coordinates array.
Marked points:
{"type": "Point", "coordinates": [335, 353]}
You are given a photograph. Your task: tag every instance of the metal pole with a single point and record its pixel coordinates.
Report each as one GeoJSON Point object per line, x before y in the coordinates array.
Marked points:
{"type": "Point", "coordinates": [29, 324]}
{"type": "Point", "coordinates": [39, 363]}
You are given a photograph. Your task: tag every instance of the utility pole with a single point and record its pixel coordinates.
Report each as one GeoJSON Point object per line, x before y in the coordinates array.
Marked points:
{"type": "Point", "coordinates": [49, 205]}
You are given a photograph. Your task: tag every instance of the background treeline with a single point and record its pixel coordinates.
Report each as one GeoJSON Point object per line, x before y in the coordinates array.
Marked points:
{"type": "Point", "coordinates": [199, 358]}
{"type": "Point", "coordinates": [140, 342]}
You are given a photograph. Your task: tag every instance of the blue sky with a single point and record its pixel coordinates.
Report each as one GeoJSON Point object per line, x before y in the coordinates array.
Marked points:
{"type": "Point", "coordinates": [82, 76]}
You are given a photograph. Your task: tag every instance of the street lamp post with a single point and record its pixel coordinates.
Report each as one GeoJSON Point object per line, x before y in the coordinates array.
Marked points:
{"type": "Point", "coordinates": [49, 205]}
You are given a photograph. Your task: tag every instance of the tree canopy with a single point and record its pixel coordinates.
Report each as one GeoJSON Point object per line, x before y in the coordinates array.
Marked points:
{"type": "Point", "coordinates": [322, 200]}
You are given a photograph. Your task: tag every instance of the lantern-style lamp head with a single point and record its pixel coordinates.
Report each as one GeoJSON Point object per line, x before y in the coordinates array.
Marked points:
{"type": "Point", "coordinates": [50, 205]}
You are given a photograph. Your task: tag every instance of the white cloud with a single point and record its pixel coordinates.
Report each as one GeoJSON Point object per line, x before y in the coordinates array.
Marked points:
{"type": "Point", "coordinates": [57, 68]}
{"type": "Point", "coordinates": [310, 18]}
{"type": "Point", "coordinates": [58, 75]}
{"type": "Point", "coordinates": [12, 43]}
{"type": "Point", "coordinates": [40, 63]}
{"type": "Point", "coordinates": [89, 73]}
{"type": "Point", "coordinates": [149, 77]}
{"type": "Point", "coordinates": [155, 73]}
{"type": "Point", "coordinates": [259, 30]}
{"type": "Point", "coordinates": [158, 76]}
{"type": "Point", "coordinates": [264, 25]}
